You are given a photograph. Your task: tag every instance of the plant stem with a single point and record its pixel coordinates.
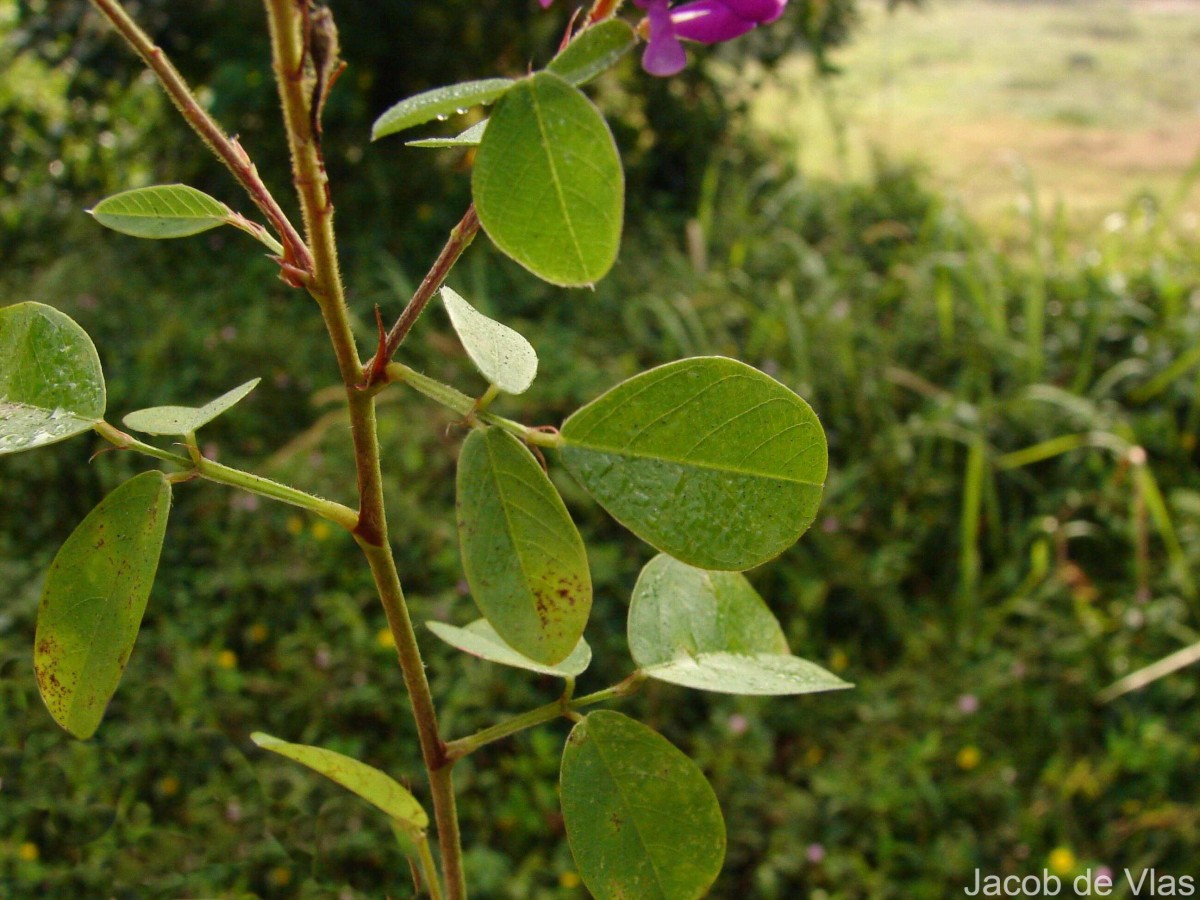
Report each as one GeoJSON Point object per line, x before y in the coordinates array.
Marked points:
{"type": "Point", "coordinates": [430, 868]}
{"type": "Point", "coordinates": [460, 239]}
{"type": "Point", "coordinates": [457, 749]}
{"type": "Point", "coordinates": [222, 474]}
{"type": "Point", "coordinates": [465, 405]}
{"type": "Point", "coordinates": [325, 284]}
{"type": "Point", "coordinates": [433, 749]}
{"type": "Point", "coordinates": [256, 231]}
{"type": "Point", "coordinates": [227, 149]}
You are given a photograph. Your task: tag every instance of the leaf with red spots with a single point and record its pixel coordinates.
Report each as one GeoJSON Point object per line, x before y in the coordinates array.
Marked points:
{"type": "Point", "coordinates": [643, 822]}
{"type": "Point", "coordinates": [524, 560]}
{"type": "Point", "coordinates": [93, 601]}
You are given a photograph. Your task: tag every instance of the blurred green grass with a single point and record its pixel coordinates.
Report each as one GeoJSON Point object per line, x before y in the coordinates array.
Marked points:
{"type": "Point", "coordinates": [990, 553]}
{"type": "Point", "coordinates": [1096, 100]}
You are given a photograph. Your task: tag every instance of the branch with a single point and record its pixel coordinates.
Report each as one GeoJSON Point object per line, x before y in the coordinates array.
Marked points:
{"type": "Point", "coordinates": [456, 401]}
{"type": "Point", "coordinates": [202, 467]}
{"type": "Point", "coordinates": [456, 750]}
{"type": "Point", "coordinates": [288, 52]}
{"type": "Point", "coordinates": [228, 150]}
{"type": "Point", "coordinates": [460, 239]}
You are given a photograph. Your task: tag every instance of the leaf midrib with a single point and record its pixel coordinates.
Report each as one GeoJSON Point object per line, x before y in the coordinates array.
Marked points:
{"type": "Point", "coordinates": [711, 467]}
{"type": "Point", "coordinates": [510, 533]}
{"type": "Point", "coordinates": [554, 179]}
{"type": "Point", "coordinates": [629, 811]}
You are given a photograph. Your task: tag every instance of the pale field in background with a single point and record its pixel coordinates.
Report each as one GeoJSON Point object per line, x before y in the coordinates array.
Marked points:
{"type": "Point", "coordinates": [1091, 102]}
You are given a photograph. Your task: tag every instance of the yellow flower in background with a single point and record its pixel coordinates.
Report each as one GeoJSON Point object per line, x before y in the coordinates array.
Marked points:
{"type": "Point", "coordinates": [280, 876]}
{"type": "Point", "coordinates": [28, 852]}
{"type": "Point", "coordinates": [1062, 861]}
{"type": "Point", "coordinates": [227, 659]}
{"type": "Point", "coordinates": [168, 787]}
{"type": "Point", "coordinates": [838, 661]}
{"type": "Point", "coordinates": [257, 633]}
{"type": "Point", "coordinates": [568, 880]}
{"type": "Point", "coordinates": [294, 525]}
{"type": "Point", "coordinates": [813, 755]}
{"type": "Point", "coordinates": [320, 530]}
{"type": "Point", "coordinates": [384, 639]}
{"type": "Point", "coordinates": [968, 758]}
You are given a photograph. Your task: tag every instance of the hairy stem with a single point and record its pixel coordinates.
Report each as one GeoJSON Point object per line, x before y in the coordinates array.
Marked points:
{"type": "Point", "coordinates": [256, 231]}
{"type": "Point", "coordinates": [430, 870]}
{"type": "Point", "coordinates": [460, 239]}
{"type": "Point", "coordinates": [564, 706]}
{"type": "Point", "coordinates": [227, 149]}
{"type": "Point", "coordinates": [221, 474]}
{"type": "Point", "coordinates": [433, 748]}
{"type": "Point", "coordinates": [325, 284]}
{"type": "Point", "coordinates": [465, 405]}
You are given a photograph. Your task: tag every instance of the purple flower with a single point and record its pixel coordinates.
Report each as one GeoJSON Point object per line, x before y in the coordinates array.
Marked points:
{"type": "Point", "coordinates": [664, 54]}
{"type": "Point", "coordinates": [702, 21]}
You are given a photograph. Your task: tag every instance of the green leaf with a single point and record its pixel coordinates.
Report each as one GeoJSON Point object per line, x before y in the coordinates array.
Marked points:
{"type": "Point", "coordinates": [469, 138]}
{"type": "Point", "coordinates": [712, 631]}
{"type": "Point", "coordinates": [524, 560]}
{"type": "Point", "coordinates": [706, 459]}
{"type": "Point", "coordinates": [592, 51]}
{"type": "Point", "coordinates": [377, 788]}
{"type": "Point", "coordinates": [761, 674]}
{"type": "Point", "coordinates": [163, 211]}
{"type": "Point", "coordinates": [502, 356]}
{"type": "Point", "coordinates": [186, 419]}
{"type": "Point", "coordinates": [480, 639]}
{"type": "Point", "coordinates": [641, 819]}
{"type": "Point", "coordinates": [93, 601]}
{"type": "Point", "coordinates": [548, 183]}
{"type": "Point", "coordinates": [440, 103]}
{"type": "Point", "coordinates": [679, 610]}
{"type": "Point", "coordinates": [408, 840]}
{"type": "Point", "coordinates": [51, 386]}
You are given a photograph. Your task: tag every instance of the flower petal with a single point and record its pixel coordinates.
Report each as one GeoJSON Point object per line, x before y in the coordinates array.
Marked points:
{"type": "Point", "coordinates": [708, 22]}
{"type": "Point", "coordinates": [664, 54]}
{"type": "Point", "coordinates": [760, 11]}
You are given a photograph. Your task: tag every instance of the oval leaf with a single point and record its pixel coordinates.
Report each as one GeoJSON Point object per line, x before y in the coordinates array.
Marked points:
{"type": "Point", "coordinates": [524, 560]}
{"type": "Point", "coordinates": [163, 211]}
{"type": "Point", "coordinates": [377, 788]}
{"type": "Point", "coordinates": [712, 631]}
{"type": "Point", "coordinates": [502, 356]}
{"type": "Point", "coordinates": [706, 459]}
{"type": "Point", "coordinates": [469, 138]}
{"type": "Point", "coordinates": [548, 183]}
{"type": "Point", "coordinates": [93, 601]}
{"type": "Point", "coordinates": [186, 419]}
{"type": "Point", "coordinates": [679, 610]}
{"type": "Point", "coordinates": [641, 819]}
{"type": "Point", "coordinates": [480, 639]}
{"type": "Point", "coordinates": [439, 104]}
{"type": "Point", "coordinates": [758, 674]}
{"type": "Point", "coordinates": [592, 51]}
{"type": "Point", "coordinates": [51, 386]}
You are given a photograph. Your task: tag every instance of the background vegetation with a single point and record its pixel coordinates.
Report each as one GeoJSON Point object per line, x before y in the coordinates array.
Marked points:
{"type": "Point", "coordinates": [992, 549]}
